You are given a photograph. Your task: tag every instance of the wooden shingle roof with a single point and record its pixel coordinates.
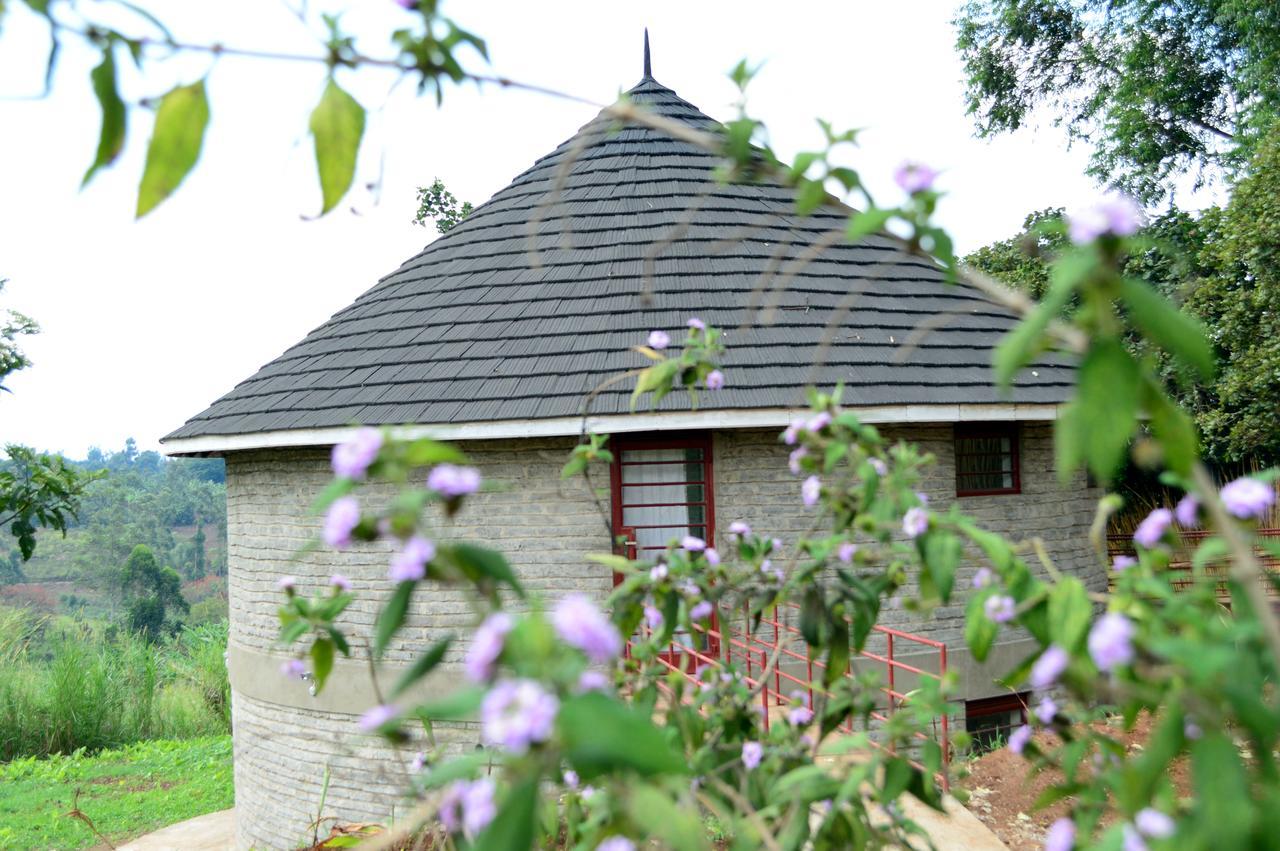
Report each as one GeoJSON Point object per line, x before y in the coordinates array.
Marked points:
{"type": "Point", "coordinates": [536, 297]}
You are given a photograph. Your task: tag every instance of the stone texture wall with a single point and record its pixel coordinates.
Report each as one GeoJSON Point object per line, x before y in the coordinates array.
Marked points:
{"type": "Point", "coordinates": [284, 741]}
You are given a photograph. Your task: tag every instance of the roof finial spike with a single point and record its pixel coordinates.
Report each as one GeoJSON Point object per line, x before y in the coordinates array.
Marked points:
{"type": "Point", "coordinates": [648, 68]}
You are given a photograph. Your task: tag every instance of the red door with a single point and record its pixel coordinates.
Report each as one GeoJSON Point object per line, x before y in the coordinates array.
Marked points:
{"type": "Point", "coordinates": [663, 490]}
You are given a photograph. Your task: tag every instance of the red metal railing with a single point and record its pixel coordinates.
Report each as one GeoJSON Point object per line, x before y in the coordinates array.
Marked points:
{"type": "Point", "coordinates": [752, 647]}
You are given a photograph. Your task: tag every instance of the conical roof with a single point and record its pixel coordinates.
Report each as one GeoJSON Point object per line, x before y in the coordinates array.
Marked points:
{"type": "Point", "coordinates": [532, 301]}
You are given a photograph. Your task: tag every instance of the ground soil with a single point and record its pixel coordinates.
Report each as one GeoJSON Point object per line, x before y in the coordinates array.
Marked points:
{"type": "Point", "coordinates": [1001, 794]}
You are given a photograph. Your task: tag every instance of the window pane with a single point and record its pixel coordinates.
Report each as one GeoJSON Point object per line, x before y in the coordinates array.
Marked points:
{"type": "Point", "coordinates": [984, 463]}
{"type": "Point", "coordinates": [639, 473]}
{"type": "Point", "coordinates": [646, 455]}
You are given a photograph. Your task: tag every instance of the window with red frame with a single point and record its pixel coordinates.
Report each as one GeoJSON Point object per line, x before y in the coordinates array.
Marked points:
{"type": "Point", "coordinates": [991, 720]}
{"type": "Point", "coordinates": [987, 459]}
{"type": "Point", "coordinates": [662, 489]}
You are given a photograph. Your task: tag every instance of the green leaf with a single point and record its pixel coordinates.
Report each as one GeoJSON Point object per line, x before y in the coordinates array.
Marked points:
{"type": "Point", "coordinates": [114, 114]}
{"type": "Point", "coordinates": [1223, 804]}
{"type": "Point", "coordinates": [1178, 333]}
{"type": "Point", "coordinates": [479, 561]}
{"type": "Point", "coordinates": [337, 123]}
{"type": "Point", "coordinates": [1107, 405]}
{"type": "Point", "coordinates": [810, 196]}
{"type": "Point", "coordinates": [1069, 613]}
{"type": "Point", "coordinates": [838, 656]}
{"type": "Point", "coordinates": [513, 828]}
{"type": "Point", "coordinates": [1027, 340]}
{"type": "Point", "coordinates": [292, 632]}
{"type": "Point", "coordinates": [321, 661]}
{"type": "Point", "coordinates": [455, 706]}
{"type": "Point", "coordinates": [333, 491]}
{"type": "Point", "coordinates": [867, 222]}
{"type": "Point", "coordinates": [979, 630]}
{"type": "Point", "coordinates": [678, 827]}
{"type": "Point", "coordinates": [392, 616]}
{"type": "Point", "coordinates": [422, 666]}
{"type": "Point", "coordinates": [1173, 427]}
{"type": "Point", "coordinates": [601, 735]}
{"type": "Point", "coordinates": [175, 144]}
{"type": "Point", "coordinates": [424, 452]}
{"type": "Point", "coordinates": [941, 552]}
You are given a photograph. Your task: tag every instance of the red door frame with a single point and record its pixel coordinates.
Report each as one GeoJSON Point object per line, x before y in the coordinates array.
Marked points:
{"type": "Point", "coordinates": [663, 440]}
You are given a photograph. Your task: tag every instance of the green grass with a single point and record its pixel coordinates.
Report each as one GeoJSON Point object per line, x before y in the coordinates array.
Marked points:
{"type": "Point", "coordinates": [126, 792]}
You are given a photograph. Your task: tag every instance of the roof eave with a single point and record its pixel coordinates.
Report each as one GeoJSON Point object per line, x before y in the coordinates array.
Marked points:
{"type": "Point", "coordinates": [216, 444]}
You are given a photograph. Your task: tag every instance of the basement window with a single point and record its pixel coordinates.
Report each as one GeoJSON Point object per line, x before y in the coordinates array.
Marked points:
{"type": "Point", "coordinates": [987, 459]}
{"type": "Point", "coordinates": [662, 489]}
{"type": "Point", "coordinates": [991, 720]}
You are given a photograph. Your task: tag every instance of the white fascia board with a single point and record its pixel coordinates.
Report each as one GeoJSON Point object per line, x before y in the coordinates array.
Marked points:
{"type": "Point", "coordinates": [612, 424]}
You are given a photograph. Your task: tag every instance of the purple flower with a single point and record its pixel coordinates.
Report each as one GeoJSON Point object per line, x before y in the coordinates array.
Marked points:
{"type": "Point", "coordinates": [652, 617]}
{"type": "Point", "coordinates": [879, 466]}
{"type": "Point", "coordinates": [982, 578]}
{"type": "Point", "coordinates": [1123, 563]}
{"type": "Point", "coordinates": [1061, 836]}
{"type": "Point", "coordinates": [287, 584]}
{"type": "Point", "coordinates": [1132, 839]}
{"type": "Point", "coordinates": [1191, 730]}
{"type": "Point", "coordinates": [593, 681]}
{"type": "Point", "coordinates": [516, 714]}
{"type": "Point", "coordinates": [1111, 641]}
{"type": "Point", "coordinates": [581, 623]}
{"type": "Point", "coordinates": [419, 762]}
{"type": "Point", "coordinates": [293, 669]}
{"type": "Point", "coordinates": [486, 647]}
{"type": "Point", "coordinates": [818, 423]}
{"type": "Point", "coordinates": [352, 459]}
{"type": "Point", "coordinates": [1187, 511]}
{"type": "Point", "coordinates": [715, 380]}
{"type": "Point", "coordinates": [340, 582]}
{"type": "Point", "coordinates": [712, 556]}
{"type": "Point", "coordinates": [1153, 527]}
{"type": "Point", "coordinates": [659, 340]}
{"type": "Point", "coordinates": [845, 552]}
{"type": "Point", "coordinates": [658, 572]}
{"type": "Point", "coordinates": [411, 5]}
{"type": "Point", "coordinates": [799, 716]}
{"type": "Point", "coordinates": [1119, 216]}
{"type": "Point", "coordinates": [1052, 662]}
{"type": "Point", "coordinates": [1047, 710]}
{"type": "Point", "coordinates": [923, 497]}
{"type": "Point", "coordinates": [913, 177]}
{"type": "Point", "coordinates": [468, 806]}
{"type": "Point", "coordinates": [616, 843]}
{"type": "Point", "coordinates": [696, 324]}
{"type": "Point", "coordinates": [793, 461]}
{"type": "Point", "coordinates": [999, 608]}
{"type": "Point", "coordinates": [811, 491]}
{"type": "Point", "coordinates": [451, 482]}
{"type": "Point", "coordinates": [410, 564]}
{"type": "Point", "coordinates": [739, 528]}
{"type": "Point", "coordinates": [1154, 824]}
{"type": "Point", "coordinates": [1019, 738]}
{"type": "Point", "coordinates": [1247, 498]}
{"type": "Point", "coordinates": [915, 522]}
{"type": "Point", "coordinates": [377, 717]}
{"type": "Point", "coordinates": [702, 611]}
{"type": "Point", "coordinates": [691, 544]}
{"type": "Point", "coordinates": [340, 522]}
{"type": "Point", "coordinates": [571, 778]}
{"type": "Point", "coordinates": [752, 753]}
{"type": "Point", "coordinates": [792, 433]}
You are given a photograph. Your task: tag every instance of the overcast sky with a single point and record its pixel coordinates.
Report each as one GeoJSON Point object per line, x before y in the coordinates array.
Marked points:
{"type": "Point", "coordinates": [146, 323]}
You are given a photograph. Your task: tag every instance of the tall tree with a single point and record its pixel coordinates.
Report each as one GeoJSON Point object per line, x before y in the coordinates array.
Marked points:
{"type": "Point", "coordinates": [151, 593]}
{"type": "Point", "coordinates": [1159, 89]}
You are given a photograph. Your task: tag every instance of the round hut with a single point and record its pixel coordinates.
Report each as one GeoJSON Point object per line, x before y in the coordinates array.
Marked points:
{"type": "Point", "coordinates": [492, 336]}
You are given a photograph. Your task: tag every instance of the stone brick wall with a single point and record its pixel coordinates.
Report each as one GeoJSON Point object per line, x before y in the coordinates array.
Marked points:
{"type": "Point", "coordinates": [545, 526]}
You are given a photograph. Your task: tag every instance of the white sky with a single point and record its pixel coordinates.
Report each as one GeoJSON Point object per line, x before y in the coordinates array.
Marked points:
{"type": "Point", "coordinates": [146, 323]}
